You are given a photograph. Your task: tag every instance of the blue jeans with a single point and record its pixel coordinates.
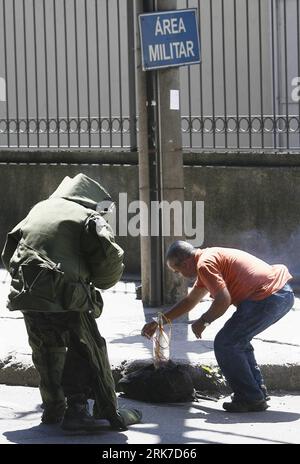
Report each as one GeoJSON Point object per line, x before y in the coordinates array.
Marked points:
{"type": "Point", "coordinates": [232, 346]}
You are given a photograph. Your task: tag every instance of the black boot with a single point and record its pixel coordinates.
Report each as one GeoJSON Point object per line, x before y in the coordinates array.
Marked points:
{"type": "Point", "coordinates": [77, 417]}
{"type": "Point", "coordinates": [53, 414]}
{"type": "Point", "coordinates": [125, 417]}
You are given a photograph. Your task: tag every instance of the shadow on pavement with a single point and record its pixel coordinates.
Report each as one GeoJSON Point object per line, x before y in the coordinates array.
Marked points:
{"type": "Point", "coordinates": [268, 416]}
{"type": "Point", "coordinates": [52, 434]}
{"type": "Point", "coordinates": [193, 346]}
{"type": "Point", "coordinates": [169, 423]}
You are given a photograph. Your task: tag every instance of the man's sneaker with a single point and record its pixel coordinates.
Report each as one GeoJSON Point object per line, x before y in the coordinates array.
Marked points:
{"type": "Point", "coordinates": [77, 418]}
{"type": "Point", "coordinates": [243, 406]}
{"type": "Point", "coordinates": [264, 392]}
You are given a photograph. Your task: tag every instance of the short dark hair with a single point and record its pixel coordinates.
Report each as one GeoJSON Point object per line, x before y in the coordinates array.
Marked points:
{"type": "Point", "coordinates": [179, 251]}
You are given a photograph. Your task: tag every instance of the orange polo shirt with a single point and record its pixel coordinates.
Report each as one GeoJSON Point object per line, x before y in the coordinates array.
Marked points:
{"type": "Point", "coordinates": [245, 276]}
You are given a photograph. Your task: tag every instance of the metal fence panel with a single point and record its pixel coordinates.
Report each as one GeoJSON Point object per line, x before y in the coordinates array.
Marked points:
{"type": "Point", "coordinates": [244, 93]}
{"type": "Point", "coordinates": [65, 74]}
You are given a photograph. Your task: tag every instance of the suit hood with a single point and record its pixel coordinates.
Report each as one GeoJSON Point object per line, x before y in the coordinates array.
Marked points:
{"type": "Point", "coordinates": [85, 191]}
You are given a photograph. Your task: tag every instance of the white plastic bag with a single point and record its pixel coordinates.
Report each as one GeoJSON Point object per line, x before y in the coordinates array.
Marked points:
{"type": "Point", "coordinates": [161, 343]}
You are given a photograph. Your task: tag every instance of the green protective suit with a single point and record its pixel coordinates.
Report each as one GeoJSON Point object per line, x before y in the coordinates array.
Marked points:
{"type": "Point", "coordinates": [57, 256]}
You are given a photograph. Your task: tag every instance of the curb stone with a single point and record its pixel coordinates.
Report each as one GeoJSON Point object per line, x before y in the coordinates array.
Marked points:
{"type": "Point", "coordinates": [19, 370]}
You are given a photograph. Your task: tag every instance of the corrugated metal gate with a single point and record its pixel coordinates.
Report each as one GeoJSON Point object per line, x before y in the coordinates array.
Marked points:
{"type": "Point", "coordinates": [66, 67]}
{"type": "Point", "coordinates": [67, 75]}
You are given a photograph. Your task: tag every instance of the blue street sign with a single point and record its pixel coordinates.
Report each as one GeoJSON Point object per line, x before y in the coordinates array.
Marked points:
{"type": "Point", "coordinates": [169, 38]}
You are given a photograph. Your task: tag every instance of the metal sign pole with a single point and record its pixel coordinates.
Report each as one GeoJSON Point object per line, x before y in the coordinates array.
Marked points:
{"type": "Point", "coordinates": [160, 170]}
{"type": "Point", "coordinates": [151, 262]}
{"type": "Point", "coordinates": [171, 165]}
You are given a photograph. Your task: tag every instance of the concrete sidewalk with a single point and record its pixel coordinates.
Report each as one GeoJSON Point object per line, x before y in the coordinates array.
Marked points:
{"type": "Point", "coordinates": [277, 349]}
{"type": "Point", "coordinates": [203, 422]}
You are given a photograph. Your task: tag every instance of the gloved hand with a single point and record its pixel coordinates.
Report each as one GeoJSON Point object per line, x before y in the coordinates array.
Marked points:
{"type": "Point", "coordinates": [124, 418]}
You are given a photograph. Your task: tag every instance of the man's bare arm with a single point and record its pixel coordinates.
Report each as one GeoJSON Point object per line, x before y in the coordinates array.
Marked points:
{"type": "Point", "coordinates": [219, 306]}
{"type": "Point", "coordinates": [186, 304]}
{"type": "Point", "coordinates": [183, 306]}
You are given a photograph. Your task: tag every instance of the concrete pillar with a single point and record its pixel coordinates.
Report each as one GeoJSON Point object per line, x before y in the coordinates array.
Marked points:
{"type": "Point", "coordinates": [160, 169]}
{"type": "Point", "coordinates": [171, 163]}
{"type": "Point", "coordinates": [144, 167]}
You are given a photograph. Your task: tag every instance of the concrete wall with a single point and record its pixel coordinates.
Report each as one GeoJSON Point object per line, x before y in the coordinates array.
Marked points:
{"type": "Point", "coordinates": [23, 185]}
{"type": "Point", "coordinates": [255, 208]}
{"type": "Point", "coordinates": [252, 208]}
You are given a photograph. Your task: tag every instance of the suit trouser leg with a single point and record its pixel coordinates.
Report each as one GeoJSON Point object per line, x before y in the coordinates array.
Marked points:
{"type": "Point", "coordinates": [81, 372]}
{"type": "Point", "coordinates": [48, 343]}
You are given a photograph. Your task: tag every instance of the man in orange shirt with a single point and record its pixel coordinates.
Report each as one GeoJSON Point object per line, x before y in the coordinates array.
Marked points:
{"type": "Point", "coordinates": [262, 297]}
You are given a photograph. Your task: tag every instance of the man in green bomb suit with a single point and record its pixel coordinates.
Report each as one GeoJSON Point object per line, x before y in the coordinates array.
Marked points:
{"type": "Point", "coordinates": [58, 257]}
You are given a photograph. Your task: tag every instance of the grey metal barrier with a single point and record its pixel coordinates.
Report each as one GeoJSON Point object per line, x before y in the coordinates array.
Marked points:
{"type": "Point", "coordinates": [64, 79]}
{"type": "Point", "coordinates": [67, 75]}
{"type": "Point", "coordinates": [245, 94]}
